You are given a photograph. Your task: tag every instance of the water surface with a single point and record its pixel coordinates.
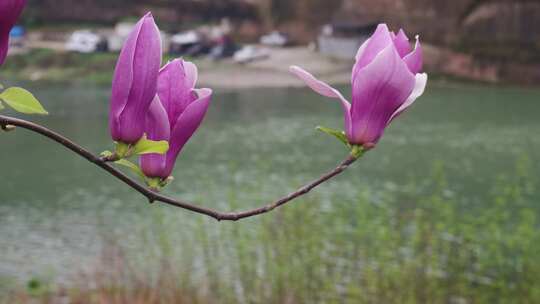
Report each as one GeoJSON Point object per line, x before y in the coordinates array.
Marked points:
{"type": "Point", "coordinates": [56, 209]}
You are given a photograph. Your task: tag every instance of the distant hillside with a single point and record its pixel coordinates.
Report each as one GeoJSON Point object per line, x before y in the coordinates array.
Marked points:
{"type": "Point", "coordinates": [498, 29]}
{"type": "Point", "coordinates": [110, 11]}
{"type": "Point", "coordinates": [489, 27]}
{"type": "Point", "coordinates": [496, 39]}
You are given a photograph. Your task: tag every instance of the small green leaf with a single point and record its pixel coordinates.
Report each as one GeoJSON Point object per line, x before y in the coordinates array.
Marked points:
{"type": "Point", "coordinates": [22, 101]}
{"type": "Point", "coordinates": [146, 146]}
{"type": "Point", "coordinates": [340, 135]}
{"type": "Point", "coordinates": [126, 163]}
{"type": "Point", "coordinates": [1, 105]}
{"type": "Point", "coordinates": [106, 153]}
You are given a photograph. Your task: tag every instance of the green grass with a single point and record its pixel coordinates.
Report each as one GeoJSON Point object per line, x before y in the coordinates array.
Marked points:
{"type": "Point", "coordinates": [50, 66]}
{"type": "Point", "coordinates": [47, 65]}
{"type": "Point", "coordinates": [401, 245]}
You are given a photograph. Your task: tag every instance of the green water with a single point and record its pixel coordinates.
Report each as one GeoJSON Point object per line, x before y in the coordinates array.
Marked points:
{"type": "Point", "coordinates": [58, 211]}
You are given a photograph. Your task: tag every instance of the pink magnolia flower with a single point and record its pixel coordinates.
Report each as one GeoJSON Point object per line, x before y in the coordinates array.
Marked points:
{"type": "Point", "coordinates": [175, 114]}
{"type": "Point", "coordinates": [386, 80]}
{"type": "Point", "coordinates": [135, 81]}
{"type": "Point", "coordinates": [10, 10]}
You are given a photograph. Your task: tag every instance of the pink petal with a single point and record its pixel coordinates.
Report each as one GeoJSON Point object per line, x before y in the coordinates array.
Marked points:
{"type": "Point", "coordinates": [175, 85]}
{"type": "Point", "coordinates": [10, 10]}
{"type": "Point", "coordinates": [378, 91]}
{"type": "Point", "coordinates": [380, 39]}
{"type": "Point", "coordinates": [401, 41]}
{"type": "Point", "coordinates": [315, 84]}
{"type": "Point", "coordinates": [362, 49]}
{"type": "Point", "coordinates": [122, 81]}
{"type": "Point", "coordinates": [188, 122]}
{"type": "Point", "coordinates": [419, 88]}
{"type": "Point", "coordinates": [156, 128]}
{"type": "Point", "coordinates": [415, 59]}
{"type": "Point", "coordinates": [4, 46]}
{"type": "Point", "coordinates": [325, 90]}
{"type": "Point", "coordinates": [192, 73]}
{"type": "Point", "coordinates": [135, 78]}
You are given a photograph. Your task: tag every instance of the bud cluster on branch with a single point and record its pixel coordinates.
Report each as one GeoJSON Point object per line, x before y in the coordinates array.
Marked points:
{"type": "Point", "coordinates": [155, 110]}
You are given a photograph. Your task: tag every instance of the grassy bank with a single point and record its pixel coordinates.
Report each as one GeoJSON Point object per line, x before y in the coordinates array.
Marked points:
{"type": "Point", "coordinates": [46, 65]}
{"type": "Point", "coordinates": [50, 66]}
{"type": "Point", "coordinates": [415, 244]}
{"type": "Point", "coordinates": [97, 68]}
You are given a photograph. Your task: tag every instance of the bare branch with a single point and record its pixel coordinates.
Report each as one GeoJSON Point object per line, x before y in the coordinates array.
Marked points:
{"type": "Point", "coordinates": [8, 122]}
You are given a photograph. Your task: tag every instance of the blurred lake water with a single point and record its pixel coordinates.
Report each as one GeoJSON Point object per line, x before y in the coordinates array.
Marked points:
{"type": "Point", "coordinates": [449, 195]}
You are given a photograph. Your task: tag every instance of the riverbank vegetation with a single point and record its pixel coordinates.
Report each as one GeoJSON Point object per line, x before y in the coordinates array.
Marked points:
{"type": "Point", "coordinates": [421, 243]}
{"type": "Point", "coordinates": [53, 66]}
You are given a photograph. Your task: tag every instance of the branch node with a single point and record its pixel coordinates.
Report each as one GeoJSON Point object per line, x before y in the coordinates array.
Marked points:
{"type": "Point", "coordinates": [109, 159]}
{"type": "Point", "coordinates": [304, 189]}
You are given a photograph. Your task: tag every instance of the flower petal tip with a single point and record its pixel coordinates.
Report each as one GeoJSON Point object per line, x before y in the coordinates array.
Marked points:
{"type": "Point", "coordinates": [294, 69]}
{"type": "Point", "coordinates": [203, 93]}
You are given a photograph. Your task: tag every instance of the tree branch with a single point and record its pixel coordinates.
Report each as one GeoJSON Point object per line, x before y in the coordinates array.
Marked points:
{"type": "Point", "coordinates": [7, 123]}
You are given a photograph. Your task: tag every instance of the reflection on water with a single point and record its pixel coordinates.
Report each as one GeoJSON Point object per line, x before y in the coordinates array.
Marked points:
{"type": "Point", "coordinates": [56, 209]}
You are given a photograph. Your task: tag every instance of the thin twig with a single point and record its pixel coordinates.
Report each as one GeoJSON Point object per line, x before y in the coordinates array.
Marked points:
{"type": "Point", "coordinates": [156, 197]}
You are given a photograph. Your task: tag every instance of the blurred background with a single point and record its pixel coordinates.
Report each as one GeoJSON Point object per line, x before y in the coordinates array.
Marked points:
{"type": "Point", "coordinates": [444, 210]}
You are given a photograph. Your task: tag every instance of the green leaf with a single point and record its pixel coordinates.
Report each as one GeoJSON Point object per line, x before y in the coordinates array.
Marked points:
{"type": "Point", "coordinates": [1, 105]}
{"type": "Point", "coordinates": [22, 101]}
{"type": "Point", "coordinates": [146, 146]}
{"type": "Point", "coordinates": [126, 163]}
{"type": "Point", "coordinates": [340, 135]}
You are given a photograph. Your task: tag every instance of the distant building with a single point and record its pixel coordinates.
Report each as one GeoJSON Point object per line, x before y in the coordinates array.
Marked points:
{"type": "Point", "coordinates": [342, 40]}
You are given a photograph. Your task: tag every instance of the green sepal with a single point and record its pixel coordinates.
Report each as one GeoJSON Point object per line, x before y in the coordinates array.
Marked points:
{"type": "Point", "coordinates": [157, 184]}
{"type": "Point", "coordinates": [154, 183]}
{"type": "Point", "coordinates": [1, 105]}
{"type": "Point", "coordinates": [133, 167]}
{"type": "Point", "coordinates": [340, 135]}
{"type": "Point", "coordinates": [357, 151]}
{"type": "Point", "coordinates": [126, 163]}
{"type": "Point", "coordinates": [22, 101]}
{"type": "Point", "coordinates": [123, 150]}
{"type": "Point", "coordinates": [146, 146]}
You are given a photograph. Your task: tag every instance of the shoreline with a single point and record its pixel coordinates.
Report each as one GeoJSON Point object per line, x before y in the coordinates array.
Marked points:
{"type": "Point", "coordinates": [50, 66]}
{"type": "Point", "coordinates": [273, 72]}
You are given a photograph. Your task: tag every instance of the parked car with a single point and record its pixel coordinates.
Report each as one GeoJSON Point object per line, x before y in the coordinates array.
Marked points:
{"type": "Point", "coordinates": [251, 53]}
{"type": "Point", "coordinates": [188, 43]}
{"type": "Point", "coordinates": [342, 40]}
{"type": "Point", "coordinates": [223, 47]}
{"type": "Point", "coordinates": [85, 41]}
{"type": "Point", "coordinates": [275, 38]}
